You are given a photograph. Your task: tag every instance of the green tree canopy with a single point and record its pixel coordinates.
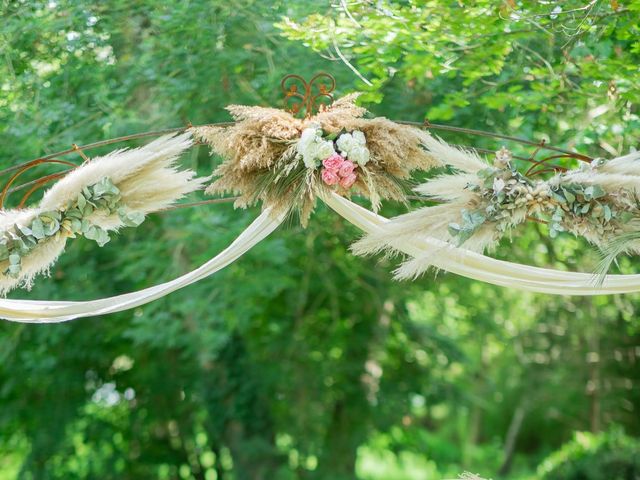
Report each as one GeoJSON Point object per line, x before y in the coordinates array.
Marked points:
{"type": "Point", "coordinates": [300, 360]}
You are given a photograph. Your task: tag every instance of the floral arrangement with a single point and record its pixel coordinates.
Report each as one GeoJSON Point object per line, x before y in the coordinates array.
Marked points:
{"type": "Point", "coordinates": [481, 203]}
{"type": "Point", "coordinates": [102, 195]}
{"type": "Point", "coordinates": [285, 162]}
{"type": "Point", "coordinates": [270, 156]}
{"type": "Point", "coordinates": [337, 168]}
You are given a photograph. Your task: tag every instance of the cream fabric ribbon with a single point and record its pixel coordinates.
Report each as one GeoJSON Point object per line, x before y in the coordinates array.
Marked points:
{"type": "Point", "coordinates": [446, 257]}
{"type": "Point", "coordinates": [41, 311]}
{"type": "Point", "coordinates": [480, 267]}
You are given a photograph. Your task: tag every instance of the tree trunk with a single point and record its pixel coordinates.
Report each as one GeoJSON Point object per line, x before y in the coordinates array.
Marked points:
{"type": "Point", "coordinates": [512, 436]}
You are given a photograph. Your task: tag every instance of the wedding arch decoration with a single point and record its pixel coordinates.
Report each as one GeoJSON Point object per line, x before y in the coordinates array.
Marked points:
{"type": "Point", "coordinates": [317, 148]}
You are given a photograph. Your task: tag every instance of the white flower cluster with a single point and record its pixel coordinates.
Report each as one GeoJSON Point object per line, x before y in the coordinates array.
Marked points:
{"type": "Point", "coordinates": [354, 147]}
{"type": "Point", "coordinates": [313, 148]}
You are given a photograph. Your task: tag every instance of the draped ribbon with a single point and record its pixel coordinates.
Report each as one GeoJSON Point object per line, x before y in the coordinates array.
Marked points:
{"type": "Point", "coordinates": [41, 311]}
{"type": "Point", "coordinates": [444, 256]}
{"type": "Point", "coordinates": [480, 267]}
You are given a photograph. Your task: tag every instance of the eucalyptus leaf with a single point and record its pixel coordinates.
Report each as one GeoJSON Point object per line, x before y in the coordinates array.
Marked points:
{"type": "Point", "coordinates": [37, 227]}
{"type": "Point", "coordinates": [454, 229]}
{"type": "Point", "coordinates": [14, 270]}
{"type": "Point", "coordinates": [569, 196]}
{"type": "Point", "coordinates": [100, 236]}
{"type": "Point", "coordinates": [131, 219]}
{"type": "Point", "coordinates": [23, 229]}
{"type": "Point", "coordinates": [81, 202]}
{"type": "Point", "coordinates": [88, 209]}
{"type": "Point", "coordinates": [76, 225]}
{"type": "Point", "coordinates": [51, 228]}
{"type": "Point", "coordinates": [74, 213]}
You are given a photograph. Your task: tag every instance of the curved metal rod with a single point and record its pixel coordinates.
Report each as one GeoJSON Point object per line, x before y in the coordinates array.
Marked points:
{"type": "Point", "coordinates": [541, 145]}
{"type": "Point", "coordinates": [426, 125]}
{"type": "Point", "coordinates": [530, 171]}
{"type": "Point", "coordinates": [26, 167]}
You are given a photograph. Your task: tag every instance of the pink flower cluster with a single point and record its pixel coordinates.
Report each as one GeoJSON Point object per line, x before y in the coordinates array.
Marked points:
{"type": "Point", "coordinates": [337, 170]}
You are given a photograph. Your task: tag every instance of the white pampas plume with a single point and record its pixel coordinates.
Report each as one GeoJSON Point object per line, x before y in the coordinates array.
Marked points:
{"type": "Point", "coordinates": [147, 180]}
{"type": "Point", "coordinates": [464, 160]}
{"type": "Point", "coordinates": [627, 164]}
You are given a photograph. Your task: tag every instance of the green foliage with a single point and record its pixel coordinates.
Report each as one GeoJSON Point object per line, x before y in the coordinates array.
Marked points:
{"type": "Point", "coordinates": [551, 69]}
{"type": "Point", "coordinates": [590, 456]}
{"type": "Point", "coordinates": [301, 361]}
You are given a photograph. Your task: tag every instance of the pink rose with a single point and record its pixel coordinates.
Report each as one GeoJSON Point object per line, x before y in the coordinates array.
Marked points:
{"type": "Point", "coordinates": [348, 181]}
{"type": "Point", "coordinates": [346, 168]}
{"type": "Point", "coordinates": [329, 177]}
{"type": "Point", "coordinates": [334, 162]}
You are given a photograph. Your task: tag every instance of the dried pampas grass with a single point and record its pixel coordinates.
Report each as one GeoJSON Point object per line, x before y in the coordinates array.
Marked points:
{"type": "Point", "coordinates": [146, 178]}
{"type": "Point", "coordinates": [483, 202]}
{"type": "Point", "coordinates": [434, 221]}
{"type": "Point", "coordinates": [261, 163]}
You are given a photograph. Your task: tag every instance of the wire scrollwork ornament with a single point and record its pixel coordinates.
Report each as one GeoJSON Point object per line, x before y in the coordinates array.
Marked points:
{"type": "Point", "coordinates": [305, 97]}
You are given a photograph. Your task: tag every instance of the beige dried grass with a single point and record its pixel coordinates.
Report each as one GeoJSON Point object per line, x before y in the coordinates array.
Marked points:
{"type": "Point", "coordinates": [261, 143]}
{"type": "Point", "coordinates": [147, 178]}
{"type": "Point", "coordinates": [618, 178]}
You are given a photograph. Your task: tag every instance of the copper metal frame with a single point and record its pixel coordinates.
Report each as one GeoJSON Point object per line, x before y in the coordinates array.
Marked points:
{"type": "Point", "coordinates": [309, 98]}
{"type": "Point", "coordinates": [314, 93]}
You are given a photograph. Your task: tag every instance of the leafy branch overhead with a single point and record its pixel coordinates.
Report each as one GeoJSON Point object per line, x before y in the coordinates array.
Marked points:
{"type": "Point", "coordinates": [572, 61]}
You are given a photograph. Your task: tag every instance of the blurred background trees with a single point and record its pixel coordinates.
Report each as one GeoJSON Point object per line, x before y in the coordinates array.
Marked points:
{"type": "Point", "coordinates": [301, 361]}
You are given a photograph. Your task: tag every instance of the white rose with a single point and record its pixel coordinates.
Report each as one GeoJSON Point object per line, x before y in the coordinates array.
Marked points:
{"type": "Point", "coordinates": [313, 148]}
{"type": "Point", "coordinates": [353, 146]}
{"type": "Point", "coordinates": [359, 137]}
{"type": "Point", "coordinates": [307, 138]}
{"type": "Point", "coordinates": [359, 155]}
{"type": "Point", "coordinates": [309, 159]}
{"type": "Point", "coordinates": [345, 143]}
{"type": "Point", "coordinates": [324, 149]}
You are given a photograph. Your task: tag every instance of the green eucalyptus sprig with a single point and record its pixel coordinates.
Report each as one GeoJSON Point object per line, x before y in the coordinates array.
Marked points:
{"type": "Point", "coordinates": [584, 202]}
{"type": "Point", "coordinates": [102, 198]}
{"type": "Point", "coordinates": [502, 192]}
{"type": "Point", "coordinates": [505, 197]}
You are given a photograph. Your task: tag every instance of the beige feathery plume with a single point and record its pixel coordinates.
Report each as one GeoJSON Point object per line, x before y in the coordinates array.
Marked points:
{"type": "Point", "coordinates": [38, 262]}
{"type": "Point", "coordinates": [434, 221]}
{"type": "Point", "coordinates": [461, 159]}
{"type": "Point", "coordinates": [260, 146]}
{"type": "Point", "coordinates": [597, 202]}
{"type": "Point", "coordinates": [146, 177]}
{"type": "Point", "coordinates": [447, 188]}
{"type": "Point", "coordinates": [627, 164]}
